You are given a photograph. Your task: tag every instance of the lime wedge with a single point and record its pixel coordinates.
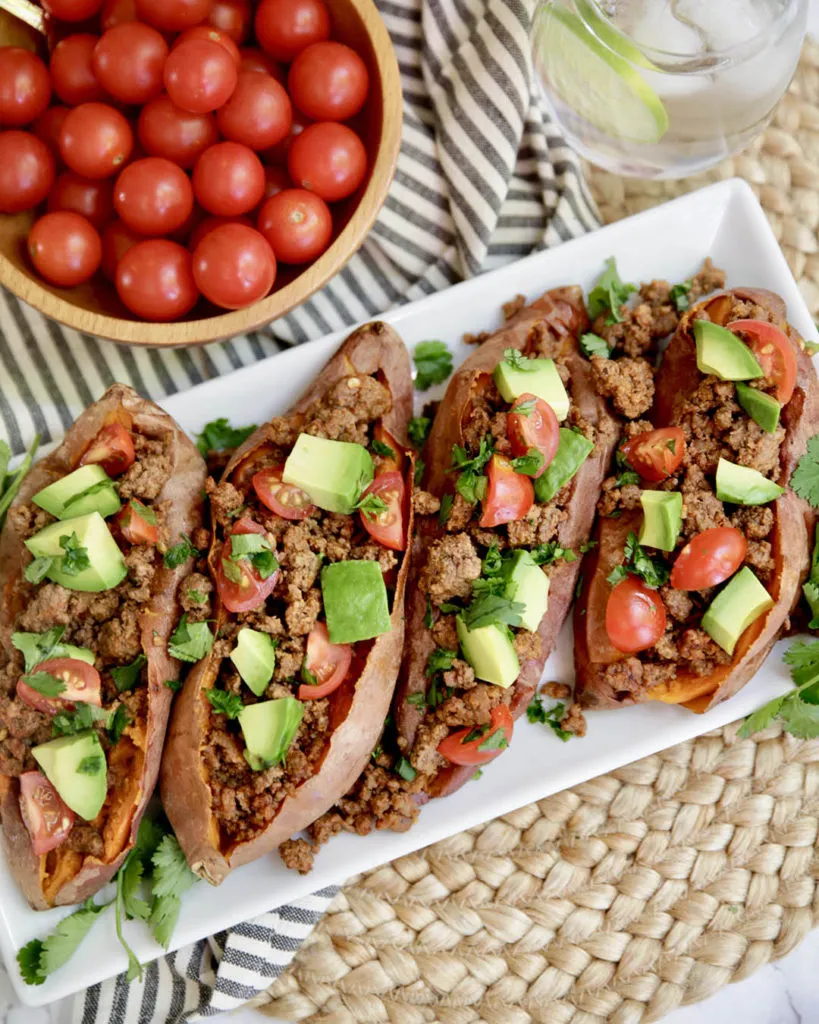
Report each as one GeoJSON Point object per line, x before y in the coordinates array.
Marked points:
{"type": "Point", "coordinates": [608, 34]}
{"type": "Point", "coordinates": [597, 83]}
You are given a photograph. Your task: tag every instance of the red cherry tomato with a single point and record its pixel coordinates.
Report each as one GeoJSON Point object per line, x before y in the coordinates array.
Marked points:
{"type": "Point", "coordinates": [257, 60]}
{"type": "Point", "coordinates": [92, 199]}
{"type": "Point", "coordinates": [26, 171]}
{"type": "Point", "coordinates": [233, 17]}
{"type": "Point", "coordinates": [656, 454]}
{"type": "Point", "coordinates": [208, 224]}
{"type": "Point", "coordinates": [81, 682]}
{"type": "Point", "coordinates": [153, 196]}
{"type": "Point", "coordinates": [72, 70]}
{"type": "Point", "coordinates": [71, 10]}
{"type": "Point", "coordinates": [258, 114]}
{"type": "Point", "coordinates": [387, 527]}
{"type": "Point", "coordinates": [173, 15]}
{"type": "Point", "coordinates": [135, 528]}
{"type": "Point", "coordinates": [117, 239]}
{"type": "Point", "coordinates": [211, 35]}
{"type": "Point", "coordinates": [774, 352]}
{"type": "Point", "coordinates": [117, 12]}
{"type": "Point", "coordinates": [509, 495]}
{"type": "Point", "coordinates": [169, 131]}
{"type": "Point", "coordinates": [128, 62]}
{"type": "Point", "coordinates": [297, 224]}
{"type": "Point", "coordinates": [155, 281]}
{"type": "Point", "coordinates": [47, 819]}
{"type": "Point", "coordinates": [328, 159]}
{"type": "Point", "coordinates": [47, 128]}
{"type": "Point", "coordinates": [233, 266]}
{"type": "Point", "coordinates": [457, 749]}
{"type": "Point", "coordinates": [65, 248]}
{"type": "Point", "coordinates": [388, 463]}
{"type": "Point", "coordinates": [328, 81]}
{"type": "Point", "coordinates": [112, 448]}
{"type": "Point", "coordinates": [228, 179]}
{"type": "Point", "coordinates": [95, 140]}
{"type": "Point", "coordinates": [200, 76]}
{"type": "Point", "coordinates": [286, 500]}
{"type": "Point", "coordinates": [709, 558]}
{"type": "Point", "coordinates": [251, 591]}
{"type": "Point", "coordinates": [25, 87]}
{"type": "Point", "coordinates": [276, 179]}
{"type": "Point", "coordinates": [327, 663]}
{"type": "Point", "coordinates": [278, 154]}
{"type": "Point", "coordinates": [531, 423]}
{"type": "Point", "coordinates": [285, 27]}
{"type": "Point", "coordinates": [635, 616]}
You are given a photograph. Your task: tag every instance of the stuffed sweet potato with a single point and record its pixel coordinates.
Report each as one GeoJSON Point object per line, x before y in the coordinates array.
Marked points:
{"type": "Point", "coordinates": [279, 718]}
{"type": "Point", "coordinates": [699, 564]}
{"type": "Point", "coordinates": [88, 604]}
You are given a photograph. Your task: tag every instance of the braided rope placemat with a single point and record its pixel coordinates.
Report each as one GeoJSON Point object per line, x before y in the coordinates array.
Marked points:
{"type": "Point", "coordinates": [639, 891]}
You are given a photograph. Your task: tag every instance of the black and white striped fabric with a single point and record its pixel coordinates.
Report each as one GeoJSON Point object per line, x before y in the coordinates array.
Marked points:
{"type": "Point", "coordinates": [483, 178]}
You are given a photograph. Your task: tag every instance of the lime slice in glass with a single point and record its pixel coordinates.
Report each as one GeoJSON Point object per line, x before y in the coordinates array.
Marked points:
{"type": "Point", "coordinates": [612, 37]}
{"type": "Point", "coordinates": [595, 82]}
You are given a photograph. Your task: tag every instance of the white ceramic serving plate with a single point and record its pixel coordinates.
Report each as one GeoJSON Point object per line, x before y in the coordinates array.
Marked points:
{"type": "Point", "coordinates": [723, 221]}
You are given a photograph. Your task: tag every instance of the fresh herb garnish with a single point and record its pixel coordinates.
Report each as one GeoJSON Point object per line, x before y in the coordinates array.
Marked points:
{"type": "Point", "coordinates": [525, 408]}
{"type": "Point", "coordinates": [428, 614]}
{"type": "Point", "coordinates": [370, 506]}
{"type": "Point", "coordinates": [195, 596]}
{"type": "Point", "coordinates": [811, 586]}
{"type": "Point", "coordinates": [471, 482]}
{"type": "Point", "coordinates": [41, 957]}
{"type": "Point", "coordinates": [91, 765]}
{"type": "Point", "coordinates": [494, 741]}
{"type": "Point", "coordinates": [420, 466]}
{"type": "Point", "coordinates": [593, 345]}
{"type": "Point", "coordinates": [637, 561]}
{"type": "Point", "coordinates": [679, 295]}
{"type": "Point", "coordinates": [100, 485]}
{"type": "Point", "coordinates": [256, 549]}
{"type": "Point", "coordinates": [417, 699]}
{"type": "Point", "coordinates": [440, 661]}
{"type": "Point", "coordinates": [190, 641]}
{"type": "Point", "coordinates": [180, 553]}
{"type": "Point", "coordinates": [627, 474]}
{"type": "Point", "coordinates": [805, 478]}
{"type": "Point", "coordinates": [224, 703]}
{"type": "Point", "coordinates": [38, 647]}
{"type": "Point", "coordinates": [171, 878]}
{"type": "Point", "coordinates": [553, 716]}
{"type": "Point", "coordinates": [405, 769]}
{"type": "Point", "coordinates": [126, 676]}
{"type": "Point", "coordinates": [75, 560]}
{"type": "Point", "coordinates": [144, 512]}
{"type": "Point", "coordinates": [117, 723]}
{"type": "Point", "coordinates": [517, 360]}
{"type": "Point", "coordinates": [380, 448]}
{"type": "Point", "coordinates": [446, 507]}
{"type": "Point", "coordinates": [37, 570]}
{"type": "Point", "coordinates": [69, 723]}
{"type": "Point", "coordinates": [418, 430]}
{"type": "Point", "coordinates": [609, 294]}
{"type": "Point", "coordinates": [493, 609]}
{"type": "Point", "coordinates": [798, 710]}
{"type": "Point", "coordinates": [45, 683]}
{"type": "Point", "coordinates": [551, 552]}
{"type": "Point", "coordinates": [174, 684]}
{"type": "Point", "coordinates": [433, 363]}
{"type": "Point", "coordinates": [528, 464]}
{"type": "Point", "coordinates": [218, 435]}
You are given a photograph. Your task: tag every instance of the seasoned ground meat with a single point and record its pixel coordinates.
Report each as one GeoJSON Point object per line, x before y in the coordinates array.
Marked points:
{"type": "Point", "coordinates": [452, 564]}
{"type": "Point", "coordinates": [86, 839]}
{"type": "Point", "coordinates": [677, 602]}
{"type": "Point", "coordinates": [528, 645]}
{"type": "Point", "coordinates": [461, 676]}
{"type": "Point", "coordinates": [540, 526]}
{"type": "Point", "coordinates": [513, 306]}
{"type": "Point", "coordinates": [425, 504]}
{"type": "Point", "coordinates": [708, 279]}
{"type": "Point", "coordinates": [574, 721]}
{"type": "Point", "coordinates": [194, 595]}
{"type": "Point", "coordinates": [224, 500]}
{"type": "Point", "coordinates": [298, 855]}
{"type": "Point", "coordinates": [628, 382]}
{"type": "Point", "coordinates": [444, 633]}
{"type": "Point", "coordinates": [557, 691]}
{"type": "Point", "coordinates": [151, 470]}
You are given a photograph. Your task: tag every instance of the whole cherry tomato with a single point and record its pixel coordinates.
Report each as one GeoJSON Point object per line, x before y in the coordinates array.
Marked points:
{"type": "Point", "coordinates": [155, 281]}
{"type": "Point", "coordinates": [509, 495]}
{"type": "Point", "coordinates": [253, 59]}
{"type": "Point", "coordinates": [128, 62]}
{"type": "Point", "coordinates": [65, 248]}
{"type": "Point", "coordinates": [117, 239]}
{"type": "Point", "coordinates": [228, 179]}
{"type": "Point", "coordinates": [328, 159]}
{"type": "Point", "coordinates": [491, 740]}
{"type": "Point", "coordinates": [95, 140]}
{"type": "Point", "coordinates": [775, 352]}
{"type": "Point", "coordinates": [531, 424]}
{"type": "Point", "coordinates": [153, 196]}
{"type": "Point", "coordinates": [26, 171]}
{"type": "Point", "coordinates": [285, 27]}
{"type": "Point", "coordinates": [117, 12]}
{"type": "Point", "coordinates": [165, 129]}
{"type": "Point", "coordinates": [210, 35]}
{"type": "Point", "coordinates": [200, 75]}
{"type": "Point", "coordinates": [71, 10]}
{"type": "Point", "coordinates": [25, 87]}
{"type": "Point", "coordinates": [72, 70]}
{"type": "Point", "coordinates": [328, 81]}
{"type": "Point", "coordinates": [297, 224]}
{"type": "Point", "coordinates": [173, 15]}
{"type": "Point", "coordinates": [327, 663]}
{"type": "Point", "coordinates": [233, 266]}
{"type": "Point", "coordinates": [47, 127]}
{"type": "Point", "coordinates": [92, 199]}
{"type": "Point", "coordinates": [635, 616]}
{"type": "Point", "coordinates": [709, 558]}
{"type": "Point", "coordinates": [208, 224]}
{"type": "Point", "coordinates": [233, 17]}
{"type": "Point", "coordinates": [258, 114]}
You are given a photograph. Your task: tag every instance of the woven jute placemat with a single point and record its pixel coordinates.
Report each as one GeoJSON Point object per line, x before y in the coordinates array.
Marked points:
{"type": "Point", "coordinates": [625, 897]}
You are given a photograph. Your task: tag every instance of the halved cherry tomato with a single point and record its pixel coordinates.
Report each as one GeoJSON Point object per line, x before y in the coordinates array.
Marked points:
{"type": "Point", "coordinates": [709, 558]}
{"type": "Point", "coordinates": [46, 817]}
{"type": "Point", "coordinates": [112, 448]}
{"type": "Point", "coordinates": [458, 750]}
{"type": "Point", "coordinates": [388, 463]}
{"type": "Point", "coordinates": [135, 528]}
{"type": "Point", "coordinates": [286, 500]}
{"type": "Point", "coordinates": [635, 616]}
{"type": "Point", "coordinates": [81, 681]}
{"type": "Point", "coordinates": [535, 426]}
{"type": "Point", "coordinates": [251, 591]}
{"type": "Point", "coordinates": [509, 495]}
{"type": "Point", "coordinates": [387, 527]}
{"type": "Point", "coordinates": [656, 454]}
{"type": "Point", "coordinates": [774, 352]}
{"type": "Point", "coordinates": [329, 663]}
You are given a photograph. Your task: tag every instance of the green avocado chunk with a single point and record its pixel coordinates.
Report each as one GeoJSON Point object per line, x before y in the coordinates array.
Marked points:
{"type": "Point", "coordinates": [107, 566]}
{"type": "Point", "coordinates": [572, 451]}
{"type": "Point", "coordinates": [76, 768]}
{"type": "Point", "coordinates": [269, 728]}
{"type": "Point", "coordinates": [742, 485]}
{"type": "Point", "coordinates": [87, 489]}
{"type": "Point", "coordinates": [527, 584]}
{"type": "Point", "coordinates": [334, 473]}
{"type": "Point", "coordinates": [490, 652]}
{"type": "Point", "coordinates": [736, 606]}
{"type": "Point", "coordinates": [723, 354]}
{"type": "Point", "coordinates": [355, 601]}
{"type": "Point", "coordinates": [662, 519]}
{"type": "Point", "coordinates": [763, 409]}
{"type": "Point", "coordinates": [255, 658]}
{"type": "Point", "coordinates": [536, 377]}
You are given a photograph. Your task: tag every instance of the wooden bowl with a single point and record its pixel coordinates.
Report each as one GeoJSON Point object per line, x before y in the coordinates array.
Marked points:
{"type": "Point", "coordinates": [95, 308]}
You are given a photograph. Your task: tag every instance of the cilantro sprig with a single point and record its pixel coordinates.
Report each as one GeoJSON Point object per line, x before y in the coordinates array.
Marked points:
{"type": "Point", "coordinates": [798, 710]}
{"type": "Point", "coordinates": [190, 641]}
{"type": "Point", "coordinates": [418, 430]}
{"type": "Point", "coordinates": [433, 364]}
{"type": "Point", "coordinates": [651, 569]}
{"type": "Point", "coordinates": [224, 703]}
{"type": "Point", "coordinates": [593, 345]}
{"type": "Point", "coordinates": [471, 483]}
{"type": "Point", "coordinates": [679, 295]}
{"type": "Point", "coordinates": [609, 294]}
{"type": "Point", "coordinates": [253, 548]}
{"type": "Point", "coordinates": [74, 561]}
{"type": "Point", "coordinates": [811, 586]}
{"type": "Point", "coordinates": [805, 478]}
{"type": "Point", "coordinates": [180, 552]}
{"type": "Point", "coordinates": [370, 506]}
{"type": "Point", "coordinates": [127, 676]}
{"type": "Point", "coordinates": [219, 435]}
{"type": "Point", "coordinates": [553, 716]}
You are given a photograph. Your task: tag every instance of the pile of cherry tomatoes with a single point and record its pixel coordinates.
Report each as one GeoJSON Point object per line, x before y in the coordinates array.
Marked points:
{"type": "Point", "coordinates": [180, 157]}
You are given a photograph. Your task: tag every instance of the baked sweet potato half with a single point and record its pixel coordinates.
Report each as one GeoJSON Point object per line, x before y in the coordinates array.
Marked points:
{"type": "Point", "coordinates": [698, 566]}
{"type": "Point", "coordinates": [88, 605]}
{"type": "Point", "coordinates": [276, 722]}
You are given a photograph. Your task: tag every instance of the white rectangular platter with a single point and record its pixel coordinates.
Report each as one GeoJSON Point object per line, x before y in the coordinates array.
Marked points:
{"type": "Point", "coordinates": [724, 222]}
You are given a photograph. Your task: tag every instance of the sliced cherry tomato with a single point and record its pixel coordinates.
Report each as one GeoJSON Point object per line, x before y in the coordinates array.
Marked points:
{"type": "Point", "coordinates": [285, 27]}
{"type": "Point", "coordinates": [46, 817]}
{"type": "Point", "coordinates": [774, 351]}
{"type": "Point", "coordinates": [329, 159]}
{"type": "Point", "coordinates": [328, 81]}
{"type": "Point", "coordinates": [286, 500]}
{"type": "Point", "coordinates": [387, 527]}
{"type": "Point", "coordinates": [26, 171]}
{"type": "Point", "coordinates": [531, 423]}
{"type": "Point", "coordinates": [458, 748]}
{"type": "Point", "coordinates": [328, 663]}
{"type": "Point", "coordinates": [25, 87]}
{"type": "Point", "coordinates": [509, 495]}
{"type": "Point", "coordinates": [135, 527]}
{"type": "Point", "coordinates": [72, 70]}
{"type": "Point", "coordinates": [128, 62]}
{"type": "Point", "coordinates": [112, 448]}
{"type": "Point", "coordinates": [709, 558]}
{"type": "Point", "coordinates": [388, 463]}
{"type": "Point", "coordinates": [65, 248]}
{"type": "Point", "coordinates": [635, 616]}
{"type": "Point", "coordinates": [81, 681]}
{"type": "Point", "coordinates": [656, 454]}
{"type": "Point", "coordinates": [251, 590]}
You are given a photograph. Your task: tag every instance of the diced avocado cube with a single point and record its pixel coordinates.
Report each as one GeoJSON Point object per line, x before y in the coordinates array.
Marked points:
{"type": "Point", "coordinates": [740, 602]}
{"type": "Point", "coordinates": [490, 652]}
{"type": "Point", "coordinates": [76, 768]}
{"type": "Point", "coordinates": [255, 658]}
{"type": "Point", "coordinates": [722, 353]}
{"type": "Point", "coordinates": [107, 567]}
{"type": "Point", "coordinates": [763, 409]}
{"type": "Point", "coordinates": [355, 601]}
{"type": "Point", "coordinates": [572, 451]}
{"type": "Point", "coordinates": [527, 584]}
{"type": "Point", "coordinates": [334, 473]}
{"type": "Point", "coordinates": [662, 519]}
{"type": "Point", "coordinates": [742, 485]}
{"type": "Point", "coordinates": [535, 377]}
{"type": "Point", "coordinates": [269, 728]}
{"type": "Point", "coordinates": [67, 498]}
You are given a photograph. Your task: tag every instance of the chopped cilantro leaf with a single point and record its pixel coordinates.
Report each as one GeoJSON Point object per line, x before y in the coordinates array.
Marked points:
{"type": "Point", "coordinates": [224, 703]}
{"type": "Point", "coordinates": [370, 506]}
{"type": "Point", "coordinates": [418, 430]}
{"type": "Point", "coordinates": [609, 294]}
{"type": "Point", "coordinates": [174, 684]}
{"type": "Point", "coordinates": [180, 553]}
{"type": "Point", "coordinates": [420, 466]}
{"type": "Point", "coordinates": [417, 699]}
{"type": "Point", "coordinates": [380, 448]}
{"type": "Point", "coordinates": [190, 641]}
{"type": "Point", "coordinates": [494, 741]}
{"type": "Point", "coordinates": [127, 676]}
{"type": "Point", "coordinates": [551, 552]}
{"type": "Point", "coordinates": [433, 363]}
{"type": "Point", "coordinates": [528, 464]}
{"type": "Point", "coordinates": [91, 765]}
{"type": "Point", "coordinates": [594, 345]}
{"type": "Point", "coordinates": [637, 561]}
{"type": "Point", "coordinates": [805, 478]}
{"type": "Point", "coordinates": [440, 661]}
{"type": "Point", "coordinates": [517, 360]}
{"type": "Point", "coordinates": [493, 609]}
{"type": "Point", "coordinates": [143, 511]}
{"type": "Point", "coordinates": [553, 716]}
{"type": "Point", "coordinates": [219, 435]}
{"type": "Point", "coordinates": [45, 683]}
{"type": "Point", "coordinates": [405, 769]}
{"type": "Point", "coordinates": [75, 560]}
{"type": "Point", "coordinates": [446, 507]}
{"type": "Point", "coordinates": [69, 723]}
{"type": "Point", "coordinates": [117, 723]}
{"type": "Point", "coordinates": [679, 295]}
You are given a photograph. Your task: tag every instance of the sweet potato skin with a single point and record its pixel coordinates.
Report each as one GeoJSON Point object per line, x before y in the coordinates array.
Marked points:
{"type": "Point", "coordinates": [361, 708]}
{"type": "Point", "coordinates": [793, 530]}
{"type": "Point", "coordinates": [182, 498]}
{"type": "Point", "coordinates": [549, 327]}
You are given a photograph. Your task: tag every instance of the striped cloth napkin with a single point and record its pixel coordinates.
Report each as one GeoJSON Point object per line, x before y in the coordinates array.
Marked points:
{"type": "Point", "coordinates": [483, 179]}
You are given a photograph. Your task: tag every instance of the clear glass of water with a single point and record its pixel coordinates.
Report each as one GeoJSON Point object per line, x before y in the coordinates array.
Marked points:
{"type": "Point", "coordinates": [665, 88]}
